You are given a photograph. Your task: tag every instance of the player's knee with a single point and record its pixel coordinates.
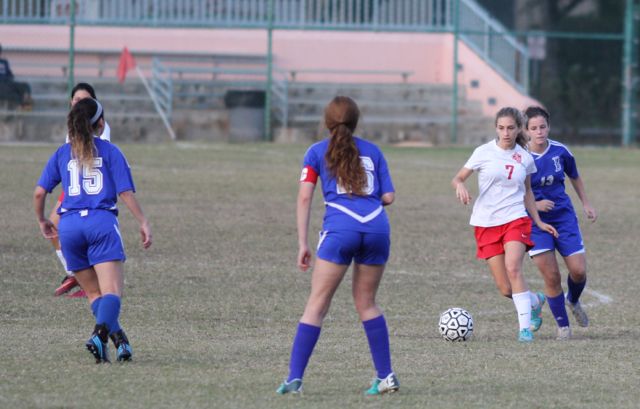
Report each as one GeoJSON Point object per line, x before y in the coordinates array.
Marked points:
{"type": "Point", "coordinates": [317, 309]}
{"type": "Point", "coordinates": [553, 280]}
{"type": "Point", "coordinates": [364, 305]}
{"type": "Point", "coordinates": [578, 274]}
{"type": "Point", "coordinates": [513, 273]}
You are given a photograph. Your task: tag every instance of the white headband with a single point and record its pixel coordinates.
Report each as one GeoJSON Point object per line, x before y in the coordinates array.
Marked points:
{"type": "Point", "coordinates": [97, 114]}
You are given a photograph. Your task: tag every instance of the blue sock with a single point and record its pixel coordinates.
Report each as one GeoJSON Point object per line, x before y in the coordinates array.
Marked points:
{"type": "Point", "coordinates": [378, 336]}
{"type": "Point", "coordinates": [95, 305]}
{"type": "Point", "coordinates": [303, 344]}
{"type": "Point", "coordinates": [575, 289]}
{"type": "Point", "coordinates": [108, 312]}
{"type": "Point", "coordinates": [559, 311]}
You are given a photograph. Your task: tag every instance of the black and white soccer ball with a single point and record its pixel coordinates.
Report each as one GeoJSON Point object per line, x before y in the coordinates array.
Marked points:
{"type": "Point", "coordinates": [456, 324]}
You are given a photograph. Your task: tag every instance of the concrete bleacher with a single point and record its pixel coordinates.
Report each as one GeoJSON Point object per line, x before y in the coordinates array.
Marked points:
{"type": "Point", "coordinates": [393, 110]}
{"type": "Point", "coordinates": [392, 113]}
{"type": "Point", "coordinates": [128, 110]}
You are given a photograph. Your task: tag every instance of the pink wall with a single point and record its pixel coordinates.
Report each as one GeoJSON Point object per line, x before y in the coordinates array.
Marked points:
{"type": "Point", "coordinates": [428, 56]}
{"type": "Point", "coordinates": [491, 83]}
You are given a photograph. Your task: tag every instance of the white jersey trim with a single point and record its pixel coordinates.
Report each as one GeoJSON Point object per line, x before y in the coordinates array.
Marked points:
{"type": "Point", "coordinates": [323, 234]}
{"type": "Point", "coordinates": [361, 219]}
{"type": "Point", "coordinates": [550, 143]}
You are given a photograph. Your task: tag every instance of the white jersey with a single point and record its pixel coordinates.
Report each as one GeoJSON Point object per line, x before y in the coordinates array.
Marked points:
{"type": "Point", "coordinates": [106, 133]}
{"type": "Point", "coordinates": [501, 177]}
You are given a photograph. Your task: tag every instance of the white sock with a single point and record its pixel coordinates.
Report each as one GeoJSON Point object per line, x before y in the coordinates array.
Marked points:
{"type": "Point", "coordinates": [534, 299]}
{"type": "Point", "coordinates": [63, 262]}
{"type": "Point", "coordinates": [523, 306]}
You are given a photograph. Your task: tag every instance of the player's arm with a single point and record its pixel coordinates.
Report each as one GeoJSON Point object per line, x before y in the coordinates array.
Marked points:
{"type": "Point", "coordinates": [9, 72]}
{"type": "Point", "coordinates": [308, 180]}
{"type": "Point", "coordinates": [129, 199]}
{"type": "Point", "coordinates": [578, 186]}
{"type": "Point", "coordinates": [303, 214]}
{"type": "Point", "coordinates": [458, 184]}
{"type": "Point", "coordinates": [530, 205]}
{"type": "Point", "coordinates": [388, 198]}
{"type": "Point", "coordinates": [47, 228]}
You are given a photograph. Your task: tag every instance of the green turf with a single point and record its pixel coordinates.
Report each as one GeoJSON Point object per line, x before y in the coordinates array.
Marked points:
{"type": "Point", "coordinates": [212, 307]}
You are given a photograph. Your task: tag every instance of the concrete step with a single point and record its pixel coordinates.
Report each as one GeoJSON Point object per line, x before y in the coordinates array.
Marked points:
{"type": "Point", "coordinates": [35, 127]}
{"type": "Point", "coordinates": [131, 104]}
{"type": "Point", "coordinates": [416, 92]}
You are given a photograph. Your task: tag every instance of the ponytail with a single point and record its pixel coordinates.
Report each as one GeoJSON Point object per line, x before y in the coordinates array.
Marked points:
{"type": "Point", "coordinates": [342, 156]}
{"type": "Point", "coordinates": [82, 123]}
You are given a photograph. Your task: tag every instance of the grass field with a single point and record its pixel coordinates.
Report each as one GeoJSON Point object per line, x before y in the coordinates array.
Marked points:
{"type": "Point", "coordinates": [211, 308]}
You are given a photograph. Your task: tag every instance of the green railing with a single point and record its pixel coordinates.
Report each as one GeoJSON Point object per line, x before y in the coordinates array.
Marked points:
{"type": "Point", "coordinates": [486, 36]}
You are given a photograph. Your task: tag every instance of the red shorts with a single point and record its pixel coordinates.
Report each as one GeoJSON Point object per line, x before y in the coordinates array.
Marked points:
{"type": "Point", "coordinates": [491, 240]}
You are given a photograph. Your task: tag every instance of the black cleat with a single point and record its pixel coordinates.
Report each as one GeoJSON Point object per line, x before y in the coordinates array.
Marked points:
{"type": "Point", "coordinates": [123, 348]}
{"type": "Point", "coordinates": [97, 344]}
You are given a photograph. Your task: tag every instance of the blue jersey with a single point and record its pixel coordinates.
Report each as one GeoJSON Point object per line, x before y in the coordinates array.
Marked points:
{"type": "Point", "coordinates": [88, 188]}
{"type": "Point", "coordinates": [548, 181]}
{"type": "Point", "coordinates": [353, 212]}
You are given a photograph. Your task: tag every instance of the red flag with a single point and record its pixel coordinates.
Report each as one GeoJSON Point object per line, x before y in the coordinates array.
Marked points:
{"type": "Point", "coordinates": [126, 63]}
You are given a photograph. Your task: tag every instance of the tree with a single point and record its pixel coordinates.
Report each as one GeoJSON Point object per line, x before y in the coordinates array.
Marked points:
{"type": "Point", "coordinates": [580, 78]}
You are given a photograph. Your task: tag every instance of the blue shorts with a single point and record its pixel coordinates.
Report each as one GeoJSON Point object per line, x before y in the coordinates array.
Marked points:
{"type": "Point", "coordinates": [341, 247]}
{"type": "Point", "coordinates": [89, 239]}
{"type": "Point", "coordinates": [569, 239]}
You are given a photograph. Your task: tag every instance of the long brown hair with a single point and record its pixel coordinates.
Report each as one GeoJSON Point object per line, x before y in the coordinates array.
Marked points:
{"type": "Point", "coordinates": [343, 158]}
{"type": "Point", "coordinates": [521, 138]}
{"type": "Point", "coordinates": [82, 122]}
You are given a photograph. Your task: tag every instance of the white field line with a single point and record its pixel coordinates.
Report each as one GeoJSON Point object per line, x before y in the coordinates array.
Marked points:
{"type": "Point", "coordinates": [600, 298]}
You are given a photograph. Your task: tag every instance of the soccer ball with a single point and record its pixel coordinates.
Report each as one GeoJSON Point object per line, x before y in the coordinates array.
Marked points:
{"type": "Point", "coordinates": [456, 324]}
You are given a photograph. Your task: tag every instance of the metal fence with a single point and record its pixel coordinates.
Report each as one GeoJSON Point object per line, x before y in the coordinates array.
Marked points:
{"type": "Point", "coordinates": [500, 50]}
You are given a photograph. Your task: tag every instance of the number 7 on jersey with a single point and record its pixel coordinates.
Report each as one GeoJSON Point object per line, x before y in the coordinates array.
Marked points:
{"type": "Point", "coordinates": [510, 169]}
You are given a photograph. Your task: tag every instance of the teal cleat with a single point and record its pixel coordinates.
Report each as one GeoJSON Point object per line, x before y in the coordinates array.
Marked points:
{"type": "Point", "coordinates": [536, 313]}
{"type": "Point", "coordinates": [389, 384]}
{"type": "Point", "coordinates": [525, 335]}
{"type": "Point", "coordinates": [295, 387]}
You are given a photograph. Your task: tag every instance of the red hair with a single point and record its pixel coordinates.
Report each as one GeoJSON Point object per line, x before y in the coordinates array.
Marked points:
{"type": "Point", "coordinates": [343, 158]}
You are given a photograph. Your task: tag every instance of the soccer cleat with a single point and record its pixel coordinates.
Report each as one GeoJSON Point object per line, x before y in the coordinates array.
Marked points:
{"type": "Point", "coordinates": [564, 334]}
{"type": "Point", "coordinates": [578, 313]}
{"type": "Point", "coordinates": [123, 348]}
{"type": "Point", "coordinates": [295, 387]}
{"type": "Point", "coordinates": [97, 344]}
{"type": "Point", "coordinates": [67, 284]}
{"type": "Point", "coordinates": [525, 335]}
{"type": "Point", "coordinates": [389, 384]}
{"type": "Point", "coordinates": [536, 313]}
